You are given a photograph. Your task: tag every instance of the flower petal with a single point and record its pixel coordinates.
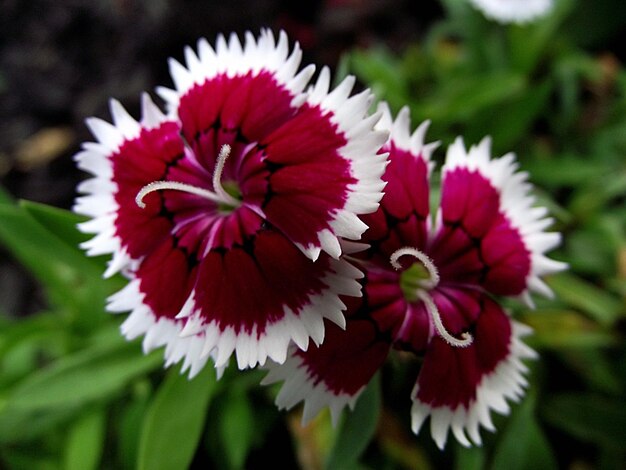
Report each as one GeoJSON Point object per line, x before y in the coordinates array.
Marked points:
{"type": "Point", "coordinates": [403, 218]}
{"type": "Point", "coordinates": [514, 11]}
{"type": "Point", "coordinates": [488, 230]}
{"type": "Point", "coordinates": [333, 374]}
{"type": "Point", "coordinates": [138, 154]}
{"type": "Point", "coordinates": [458, 387]}
{"type": "Point", "coordinates": [307, 162]}
{"type": "Point", "coordinates": [254, 298]}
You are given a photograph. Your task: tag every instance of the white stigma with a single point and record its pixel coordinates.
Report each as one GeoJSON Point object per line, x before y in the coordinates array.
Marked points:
{"type": "Point", "coordinates": [218, 195]}
{"type": "Point", "coordinates": [423, 295]}
{"type": "Point", "coordinates": [422, 258]}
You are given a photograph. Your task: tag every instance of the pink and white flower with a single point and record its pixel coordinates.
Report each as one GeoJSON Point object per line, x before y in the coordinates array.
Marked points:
{"type": "Point", "coordinates": [430, 286]}
{"type": "Point", "coordinates": [514, 11]}
{"type": "Point", "coordinates": [226, 213]}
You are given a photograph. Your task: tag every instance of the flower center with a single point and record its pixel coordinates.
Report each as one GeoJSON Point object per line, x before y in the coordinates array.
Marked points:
{"type": "Point", "coordinates": [416, 281]}
{"type": "Point", "coordinates": [227, 198]}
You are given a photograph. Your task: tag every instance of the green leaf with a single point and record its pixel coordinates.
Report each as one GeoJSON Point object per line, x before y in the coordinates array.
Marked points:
{"type": "Point", "coordinates": [357, 429]}
{"type": "Point", "coordinates": [128, 424]}
{"type": "Point", "coordinates": [558, 329]}
{"type": "Point", "coordinates": [58, 221]}
{"type": "Point", "coordinates": [97, 373]}
{"type": "Point", "coordinates": [588, 417]}
{"type": "Point", "coordinates": [25, 425]}
{"type": "Point", "coordinates": [61, 268]}
{"type": "Point", "coordinates": [472, 458]}
{"type": "Point", "coordinates": [511, 120]}
{"type": "Point", "coordinates": [462, 98]}
{"type": "Point", "coordinates": [523, 444]}
{"type": "Point", "coordinates": [529, 42]}
{"type": "Point", "coordinates": [594, 301]}
{"type": "Point", "coordinates": [593, 366]}
{"type": "Point", "coordinates": [236, 427]}
{"type": "Point", "coordinates": [175, 420]}
{"type": "Point", "coordinates": [85, 441]}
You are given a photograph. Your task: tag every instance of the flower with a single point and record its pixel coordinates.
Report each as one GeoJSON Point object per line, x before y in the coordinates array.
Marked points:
{"type": "Point", "coordinates": [513, 11]}
{"type": "Point", "coordinates": [226, 212]}
{"type": "Point", "coordinates": [429, 289]}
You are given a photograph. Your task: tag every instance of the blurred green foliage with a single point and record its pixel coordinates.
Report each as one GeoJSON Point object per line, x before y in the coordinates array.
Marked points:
{"type": "Point", "coordinates": [75, 395]}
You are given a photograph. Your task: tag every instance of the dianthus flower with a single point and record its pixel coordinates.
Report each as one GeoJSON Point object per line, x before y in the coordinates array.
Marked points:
{"type": "Point", "coordinates": [226, 213]}
{"type": "Point", "coordinates": [430, 288]}
{"type": "Point", "coordinates": [513, 11]}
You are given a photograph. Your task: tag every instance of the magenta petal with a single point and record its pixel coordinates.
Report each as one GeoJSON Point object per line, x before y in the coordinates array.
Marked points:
{"type": "Point", "coordinates": [476, 243]}
{"type": "Point", "coordinates": [253, 299]}
{"type": "Point", "coordinates": [138, 162]}
{"type": "Point", "coordinates": [310, 179]}
{"type": "Point", "coordinates": [402, 217]}
{"type": "Point", "coordinates": [166, 279]}
{"type": "Point", "coordinates": [333, 374]}
{"type": "Point", "coordinates": [508, 258]}
{"type": "Point", "coordinates": [458, 387]}
{"type": "Point", "coordinates": [450, 376]}
{"type": "Point", "coordinates": [224, 110]}
{"type": "Point", "coordinates": [247, 290]}
{"type": "Point", "coordinates": [469, 199]}
{"type": "Point", "coordinates": [407, 190]}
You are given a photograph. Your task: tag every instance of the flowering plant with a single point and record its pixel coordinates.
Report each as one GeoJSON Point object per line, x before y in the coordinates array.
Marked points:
{"type": "Point", "coordinates": [260, 223]}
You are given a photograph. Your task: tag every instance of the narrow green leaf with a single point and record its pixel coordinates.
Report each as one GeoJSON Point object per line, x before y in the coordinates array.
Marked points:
{"type": "Point", "coordinates": [236, 427]}
{"type": "Point", "coordinates": [594, 366]}
{"type": "Point", "coordinates": [61, 268]}
{"type": "Point", "coordinates": [58, 221]}
{"type": "Point", "coordinates": [357, 429]}
{"type": "Point", "coordinates": [596, 302]}
{"type": "Point", "coordinates": [590, 418]}
{"type": "Point", "coordinates": [25, 425]}
{"type": "Point", "coordinates": [472, 458]}
{"type": "Point", "coordinates": [175, 420]}
{"type": "Point", "coordinates": [85, 441]}
{"type": "Point", "coordinates": [523, 444]}
{"type": "Point", "coordinates": [461, 98]}
{"type": "Point", "coordinates": [89, 375]}
{"type": "Point", "coordinates": [559, 329]}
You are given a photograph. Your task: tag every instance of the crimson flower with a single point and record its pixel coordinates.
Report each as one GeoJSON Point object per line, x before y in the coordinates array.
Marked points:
{"type": "Point", "coordinates": [430, 288]}
{"type": "Point", "coordinates": [226, 213]}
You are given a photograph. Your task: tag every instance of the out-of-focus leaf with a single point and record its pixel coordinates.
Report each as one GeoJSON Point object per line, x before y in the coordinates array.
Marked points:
{"type": "Point", "coordinates": [357, 429]}
{"type": "Point", "coordinates": [590, 418]}
{"type": "Point", "coordinates": [58, 221]}
{"type": "Point", "coordinates": [237, 427]}
{"type": "Point", "coordinates": [174, 421]}
{"type": "Point", "coordinates": [591, 250]}
{"type": "Point", "coordinates": [472, 458]}
{"type": "Point", "coordinates": [379, 68]}
{"type": "Point", "coordinates": [566, 170]}
{"type": "Point", "coordinates": [86, 376]}
{"type": "Point", "coordinates": [529, 42]}
{"type": "Point", "coordinates": [596, 302]}
{"type": "Point", "coordinates": [510, 121]}
{"type": "Point", "coordinates": [85, 441]}
{"type": "Point", "coordinates": [461, 98]}
{"type": "Point", "coordinates": [26, 459]}
{"type": "Point", "coordinates": [555, 328]}
{"type": "Point", "coordinates": [24, 344]}
{"type": "Point", "coordinates": [60, 267]}
{"type": "Point", "coordinates": [13, 333]}
{"type": "Point", "coordinates": [19, 425]}
{"type": "Point", "coordinates": [523, 444]}
{"type": "Point", "coordinates": [593, 365]}
{"type": "Point", "coordinates": [129, 425]}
